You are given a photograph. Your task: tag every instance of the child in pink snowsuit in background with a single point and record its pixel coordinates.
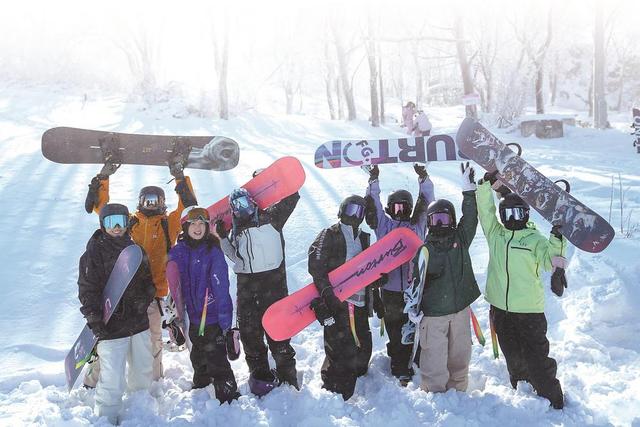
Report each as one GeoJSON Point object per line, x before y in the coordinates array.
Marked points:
{"type": "Point", "coordinates": [408, 111]}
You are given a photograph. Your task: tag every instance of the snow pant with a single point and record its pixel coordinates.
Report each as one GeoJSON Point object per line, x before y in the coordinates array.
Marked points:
{"type": "Point", "coordinates": [344, 361]}
{"type": "Point", "coordinates": [134, 351]}
{"type": "Point", "coordinates": [446, 352]}
{"type": "Point", "coordinates": [394, 319]}
{"type": "Point", "coordinates": [256, 292]}
{"type": "Point", "coordinates": [523, 341]}
{"type": "Point", "coordinates": [155, 333]}
{"type": "Point", "coordinates": [209, 358]}
{"type": "Point", "coordinates": [155, 330]}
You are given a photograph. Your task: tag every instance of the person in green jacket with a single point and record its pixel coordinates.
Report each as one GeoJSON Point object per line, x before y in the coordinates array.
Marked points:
{"type": "Point", "coordinates": [518, 252]}
{"type": "Point", "coordinates": [449, 290]}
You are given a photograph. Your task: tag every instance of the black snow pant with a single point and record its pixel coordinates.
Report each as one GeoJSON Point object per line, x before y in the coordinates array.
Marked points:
{"type": "Point", "coordinates": [394, 319]}
{"type": "Point", "coordinates": [256, 292]}
{"type": "Point", "coordinates": [344, 361]}
{"type": "Point", "coordinates": [523, 341]}
{"type": "Point", "coordinates": [209, 358]}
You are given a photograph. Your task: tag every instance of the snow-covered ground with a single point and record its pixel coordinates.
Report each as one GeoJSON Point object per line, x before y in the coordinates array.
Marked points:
{"type": "Point", "coordinates": [593, 329]}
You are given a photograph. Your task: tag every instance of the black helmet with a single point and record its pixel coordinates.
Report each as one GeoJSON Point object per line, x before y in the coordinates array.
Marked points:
{"type": "Point", "coordinates": [118, 212]}
{"type": "Point", "coordinates": [352, 209]}
{"type": "Point", "coordinates": [441, 216]}
{"type": "Point", "coordinates": [514, 212]}
{"type": "Point", "coordinates": [400, 205]}
{"type": "Point", "coordinates": [151, 201]}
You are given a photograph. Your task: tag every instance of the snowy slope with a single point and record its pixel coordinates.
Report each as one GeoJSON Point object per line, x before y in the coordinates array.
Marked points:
{"type": "Point", "coordinates": [593, 329]}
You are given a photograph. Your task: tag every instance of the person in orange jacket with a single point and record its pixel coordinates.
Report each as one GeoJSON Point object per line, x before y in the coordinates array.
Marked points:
{"type": "Point", "coordinates": [156, 231]}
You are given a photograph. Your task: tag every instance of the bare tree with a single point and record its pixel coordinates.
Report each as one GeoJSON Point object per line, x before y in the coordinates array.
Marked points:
{"type": "Point", "coordinates": [373, 72]}
{"type": "Point", "coordinates": [343, 67]}
{"type": "Point", "coordinates": [382, 120]}
{"type": "Point", "coordinates": [465, 71]}
{"type": "Point", "coordinates": [599, 95]}
{"type": "Point", "coordinates": [221, 52]}
{"type": "Point", "coordinates": [330, 81]}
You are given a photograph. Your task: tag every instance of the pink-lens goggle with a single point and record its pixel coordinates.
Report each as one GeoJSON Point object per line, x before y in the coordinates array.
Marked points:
{"type": "Point", "coordinates": [439, 218]}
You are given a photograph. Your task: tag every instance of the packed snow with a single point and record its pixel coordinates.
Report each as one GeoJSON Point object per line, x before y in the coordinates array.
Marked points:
{"type": "Point", "coordinates": [593, 328]}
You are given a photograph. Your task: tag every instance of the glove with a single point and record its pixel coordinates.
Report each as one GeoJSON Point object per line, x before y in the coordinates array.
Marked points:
{"type": "Point", "coordinates": [107, 170]}
{"type": "Point", "coordinates": [184, 192]}
{"type": "Point", "coordinates": [558, 279]}
{"type": "Point", "coordinates": [370, 212]}
{"type": "Point", "coordinates": [221, 231]}
{"type": "Point", "coordinates": [555, 231]}
{"type": "Point", "coordinates": [98, 328]}
{"type": "Point", "coordinates": [322, 312]}
{"type": "Point", "coordinates": [468, 177]}
{"type": "Point", "coordinates": [176, 169]}
{"type": "Point", "coordinates": [421, 170]}
{"type": "Point", "coordinates": [92, 195]}
{"type": "Point", "coordinates": [374, 173]}
{"type": "Point", "coordinates": [490, 177]}
{"type": "Point", "coordinates": [232, 342]}
{"type": "Point", "coordinates": [378, 305]}
{"type": "Point", "coordinates": [383, 280]}
{"type": "Point", "coordinates": [331, 300]}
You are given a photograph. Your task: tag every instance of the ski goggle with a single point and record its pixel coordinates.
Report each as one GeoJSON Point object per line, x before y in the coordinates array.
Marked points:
{"type": "Point", "coordinates": [242, 203]}
{"type": "Point", "coordinates": [198, 214]}
{"type": "Point", "coordinates": [354, 210]}
{"type": "Point", "coordinates": [518, 213]}
{"type": "Point", "coordinates": [151, 201]}
{"type": "Point", "coordinates": [439, 219]}
{"type": "Point", "coordinates": [115, 220]}
{"type": "Point", "coordinates": [400, 208]}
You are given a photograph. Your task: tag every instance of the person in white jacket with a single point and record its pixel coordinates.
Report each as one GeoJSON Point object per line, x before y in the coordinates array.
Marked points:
{"type": "Point", "coordinates": [422, 125]}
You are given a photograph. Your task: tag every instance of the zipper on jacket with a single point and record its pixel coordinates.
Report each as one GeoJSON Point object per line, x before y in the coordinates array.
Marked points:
{"type": "Point", "coordinates": [507, 268]}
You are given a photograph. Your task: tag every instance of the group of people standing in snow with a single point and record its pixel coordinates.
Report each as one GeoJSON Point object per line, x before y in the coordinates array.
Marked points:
{"type": "Point", "coordinates": [255, 246]}
{"type": "Point", "coordinates": [415, 121]}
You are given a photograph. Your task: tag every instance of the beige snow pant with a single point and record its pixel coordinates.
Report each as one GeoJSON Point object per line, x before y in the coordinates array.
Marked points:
{"type": "Point", "coordinates": [134, 351]}
{"type": "Point", "coordinates": [155, 331]}
{"type": "Point", "coordinates": [446, 352]}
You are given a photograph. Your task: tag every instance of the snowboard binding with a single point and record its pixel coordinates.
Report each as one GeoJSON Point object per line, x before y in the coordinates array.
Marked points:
{"type": "Point", "coordinates": [111, 150]}
{"type": "Point", "coordinates": [179, 155]}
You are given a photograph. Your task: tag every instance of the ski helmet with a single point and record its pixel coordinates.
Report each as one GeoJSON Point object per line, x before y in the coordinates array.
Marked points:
{"type": "Point", "coordinates": [441, 216]}
{"type": "Point", "coordinates": [514, 212]}
{"type": "Point", "coordinates": [242, 204]}
{"type": "Point", "coordinates": [151, 201]}
{"type": "Point", "coordinates": [192, 214]}
{"type": "Point", "coordinates": [261, 383]}
{"type": "Point", "coordinates": [352, 210]}
{"type": "Point", "coordinates": [113, 214]}
{"type": "Point", "coordinates": [400, 205]}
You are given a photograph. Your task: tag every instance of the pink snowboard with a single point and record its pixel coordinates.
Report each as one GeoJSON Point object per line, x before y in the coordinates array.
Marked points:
{"type": "Point", "coordinates": [173, 279]}
{"type": "Point", "coordinates": [292, 314]}
{"type": "Point", "coordinates": [284, 177]}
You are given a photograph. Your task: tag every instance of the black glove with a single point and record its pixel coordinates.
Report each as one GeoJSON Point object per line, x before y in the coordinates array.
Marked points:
{"type": "Point", "coordinates": [322, 312]}
{"type": "Point", "coordinates": [98, 328]}
{"type": "Point", "coordinates": [421, 170]}
{"type": "Point", "coordinates": [92, 195]}
{"type": "Point", "coordinates": [107, 170]}
{"type": "Point", "coordinates": [232, 342]}
{"type": "Point", "coordinates": [383, 280]}
{"type": "Point", "coordinates": [374, 173]}
{"type": "Point", "coordinates": [331, 300]}
{"type": "Point", "coordinates": [558, 282]}
{"type": "Point", "coordinates": [176, 169]}
{"type": "Point", "coordinates": [555, 230]}
{"type": "Point", "coordinates": [490, 177]}
{"type": "Point", "coordinates": [370, 212]}
{"type": "Point", "coordinates": [221, 231]}
{"type": "Point", "coordinates": [378, 305]}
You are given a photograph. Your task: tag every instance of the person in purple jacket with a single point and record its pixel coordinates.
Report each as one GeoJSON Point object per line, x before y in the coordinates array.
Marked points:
{"type": "Point", "coordinates": [204, 284]}
{"type": "Point", "coordinates": [399, 212]}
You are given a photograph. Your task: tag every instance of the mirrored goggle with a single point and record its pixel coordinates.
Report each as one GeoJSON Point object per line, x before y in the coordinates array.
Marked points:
{"type": "Point", "coordinates": [400, 208]}
{"type": "Point", "coordinates": [150, 201]}
{"type": "Point", "coordinates": [112, 221]}
{"type": "Point", "coordinates": [439, 218]}
{"type": "Point", "coordinates": [241, 203]}
{"type": "Point", "coordinates": [198, 214]}
{"type": "Point", "coordinates": [354, 210]}
{"type": "Point", "coordinates": [517, 213]}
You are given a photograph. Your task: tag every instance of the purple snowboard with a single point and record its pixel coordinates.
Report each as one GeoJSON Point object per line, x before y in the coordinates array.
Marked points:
{"type": "Point", "coordinates": [123, 271]}
{"type": "Point", "coordinates": [580, 225]}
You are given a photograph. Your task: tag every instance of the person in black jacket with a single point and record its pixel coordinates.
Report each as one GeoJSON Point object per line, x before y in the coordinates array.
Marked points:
{"type": "Point", "coordinates": [125, 338]}
{"type": "Point", "coordinates": [347, 337]}
{"type": "Point", "coordinates": [256, 248]}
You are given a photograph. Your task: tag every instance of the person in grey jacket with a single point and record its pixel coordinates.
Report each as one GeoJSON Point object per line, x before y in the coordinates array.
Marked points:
{"type": "Point", "coordinates": [255, 245]}
{"type": "Point", "coordinates": [399, 212]}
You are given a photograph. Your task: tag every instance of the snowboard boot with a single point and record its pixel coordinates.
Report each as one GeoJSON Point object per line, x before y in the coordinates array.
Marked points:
{"type": "Point", "coordinates": [226, 390]}
{"type": "Point", "coordinates": [289, 376]}
{"type": "Point", "coordinates": [262, 382]}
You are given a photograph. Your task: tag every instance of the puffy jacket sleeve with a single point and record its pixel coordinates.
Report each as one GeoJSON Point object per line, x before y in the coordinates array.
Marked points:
{"type": "Point", "coordinates": [487, 211]}
{"type": "Point", "coordinates": [545, 250]}
{"type": "Point", "coordinates": [373, 190]}
{"type": "Point", "coordinates": [281, 211]}
{"type": "Point", "coordinates": [224, 303]}
{"type": "Point", "coordinates": [230, 250]}
{"type": "Point", "coordinates": [91, 282]}
{"type": "Point", "coordinates": [469, 221]}
{"type": "Point", "coordinates": [426, 196]}
{"type": "Point", "coordinates": [186, 198]}
{"type": "Point", "coordinates": [319, 254]}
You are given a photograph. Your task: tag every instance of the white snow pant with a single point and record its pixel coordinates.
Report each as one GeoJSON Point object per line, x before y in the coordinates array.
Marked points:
{"type": "Point", "coordinates": [155, 328]}
{"type": "Point", "coordinates": [446, 352]}
{"type": "Point", "coordinates": [114, 356]}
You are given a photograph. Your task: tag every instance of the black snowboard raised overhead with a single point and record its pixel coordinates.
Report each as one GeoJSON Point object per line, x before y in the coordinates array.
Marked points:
{"type": "Point", "coordinates": [580, 225]}
{"type": "Point", "coordinates": [72, 145]}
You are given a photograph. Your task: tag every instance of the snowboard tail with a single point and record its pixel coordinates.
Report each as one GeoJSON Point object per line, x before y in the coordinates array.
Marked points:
{"type": "Point", "coordinates": [580, 225]}
{"type": "Point", "coordinates": [292, 314]}
{"type": "Point", "coordinates": [72, 145]}
{"type": "Point", "coordinates": [123, 272]}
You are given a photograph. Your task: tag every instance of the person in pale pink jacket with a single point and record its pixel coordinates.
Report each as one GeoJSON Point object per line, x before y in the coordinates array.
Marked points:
{"type": "Point", "coordinates": [423, 125]}
{"type": "Point", "coordinates": [408, 111]}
